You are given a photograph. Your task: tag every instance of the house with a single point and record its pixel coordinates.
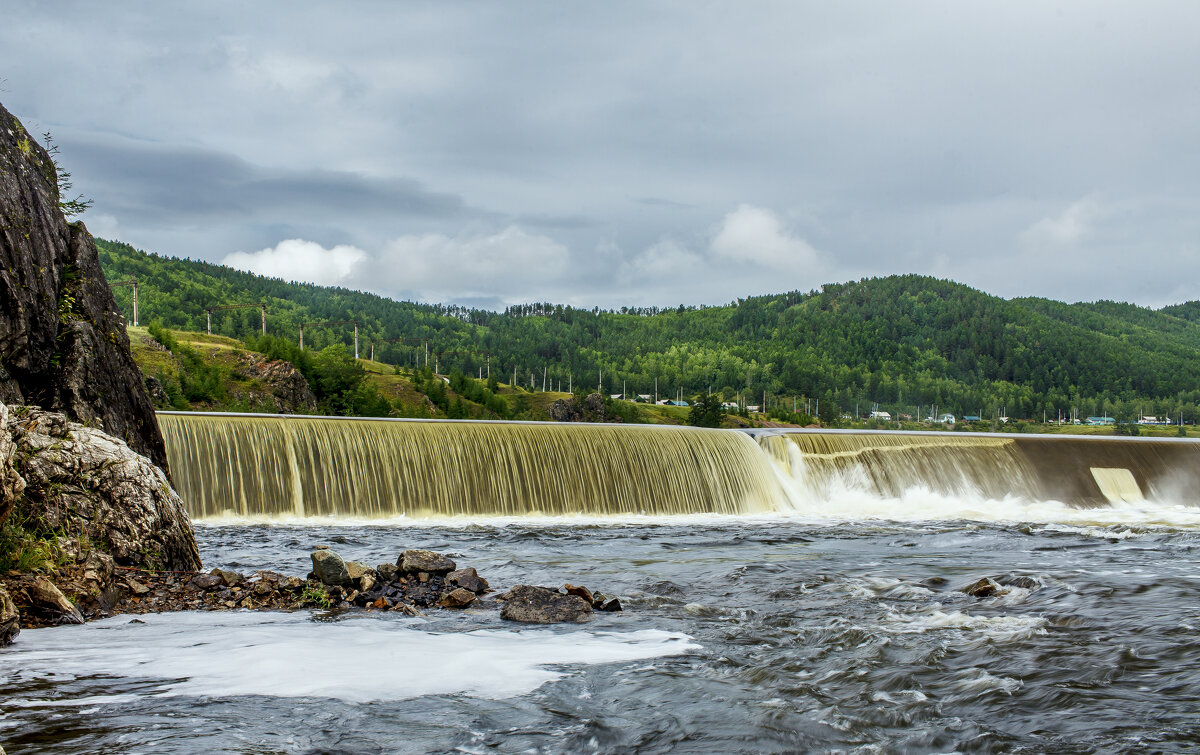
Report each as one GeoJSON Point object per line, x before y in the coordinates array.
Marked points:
{"type": "Point", "coordinates": [1150, 420]}
{"type": "Point", "coordinates": [1101, 420]}
{"type": "Point", "coordinates": [753, 408]}
{"type": "Point", "coordinates": [946, 419]}
{"type": "Point", "coordinates": [885, 416]}
{"type": "Point", "coordinates": [971, 418]}
{"type": "Point", "coordinates": [616, 396]}
{"type": "Point", "coordinates": [678, 403]}
{"type": "Point", "coordinates": [643, 398]}
{"type": "Point", "coordinates": [730, 406]}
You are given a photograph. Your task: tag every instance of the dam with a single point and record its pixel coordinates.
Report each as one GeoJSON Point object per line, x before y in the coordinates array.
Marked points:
{"type": "Point", "coordinates": [286, 466]}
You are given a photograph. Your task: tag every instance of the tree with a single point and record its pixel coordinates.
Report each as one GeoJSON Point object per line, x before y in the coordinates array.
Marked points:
{"type": "Point", "coordinates": [69, 207]}
{"type": "Point", "coordinates": [706, 412]}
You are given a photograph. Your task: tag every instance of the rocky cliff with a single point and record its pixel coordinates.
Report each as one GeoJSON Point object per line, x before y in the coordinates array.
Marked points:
{"type": "Point", "coordinates": [62, 343]}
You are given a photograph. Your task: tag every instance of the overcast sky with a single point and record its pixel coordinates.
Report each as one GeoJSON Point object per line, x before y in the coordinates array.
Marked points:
{"type": "Point", "coordinates": [632, 153]}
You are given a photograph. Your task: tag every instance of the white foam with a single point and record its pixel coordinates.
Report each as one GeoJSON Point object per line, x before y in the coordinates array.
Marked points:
{"type": "Point", "coordinates": [843, 504]}
{"type": "Point", "coordinates": [997, 628]}
{"type": "Point", "coordinates": [977, 681]}
{"type": "Point", "coordinates": [289, 655]}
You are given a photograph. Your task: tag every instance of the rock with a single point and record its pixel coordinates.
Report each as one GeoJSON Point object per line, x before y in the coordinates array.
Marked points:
{"type": "Point", "coordinates": [261, 589]}
{"type": "Point", "coordinates": [413, 561]}
{"type": "Point", "coordinates": [10, 619]}
{"type": "Point", "coordinates": [98, 569]}
{"type": "Point", "coordinates": [1025, 583]}
{"type": "Point", "coordinates": [207, 581]}
{"type": "Point", "coordinates": [611, 606]}
{"type": "Point", "coordinates": [565, 411]}
{"type": "Point", "coordinates": [228, 578]}
{"type": "Point", "coordinates": [458, 598]}
{"type": "Point", "coordinates": [158, 394]}
{"type": "Point", "coordinates": [405, 608]}
{"type": "Point", "coordinates": [984, 588]}
{"type": "Point", "coordinates": [291, 583]}
{"type": "Point", "coordinates": [136, 587]}
{"type": "Point", "coordinates": [321, 548]}
{"type": "Point", "coordinates": [366, 582]}
{"type": "Point", "coordinates": [581, 591]}
{"type": "Point", "coordinates": [329, 568]}
{"type": "Point", "coordinates": [387, 572]}
{"type": "Point", "coordinates": [47, 601]}
{"type": "Point", "coordinates": [86, 482]}
{"type": "Point", "coordinates": [468, 579]}
{"type": "Point", "coordinates": [540, 605]}
{"type": "Point", "coordinates": [286, 389]}
{"type": "Point", "coordinates": [358, 571]}
{"type": "Point", "coordinates": [62, 340]}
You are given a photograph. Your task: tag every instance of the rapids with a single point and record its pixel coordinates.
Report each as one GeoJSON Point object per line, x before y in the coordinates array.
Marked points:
{"type": "Point", "coordinates": [741, 634]}
{"type": "Point", "coordinates": [783, 593]}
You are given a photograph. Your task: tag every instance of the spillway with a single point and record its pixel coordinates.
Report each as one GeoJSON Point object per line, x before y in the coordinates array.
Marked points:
{"type": "Point", "coordinates": [256, 465]}
{"type": "Point", "coordinates": [288, 466]}
{"type": "Point", "coordinates": [1081, 471]}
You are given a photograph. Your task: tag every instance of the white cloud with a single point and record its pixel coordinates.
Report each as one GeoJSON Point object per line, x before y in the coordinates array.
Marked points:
{"type": "Point", "coordinates": [664, 258]}
{"type": "Point", "coordinates": [511, 265]}
{"type": "Point", "coordinates": [756, 236]}
{"type": "Point", "coordinates": [1071, 226]}
{"type": "Point", "coordinates": [300, 260]}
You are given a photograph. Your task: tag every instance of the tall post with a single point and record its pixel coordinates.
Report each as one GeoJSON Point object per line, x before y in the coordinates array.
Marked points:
{"type": "Point", "coordinates": [544, 369]}
{"type": "Point", "coordinates": [426, 352]}
{"type": "Point", "coordinates": [302, 338]}
{"type": "Point", "coordinates": [489, 366]}
{"type": "Point", "coordinates": [356, 339]}
{"type": "Point", "coordinates": [208, 320]}
{"type": "Point", "coordinates": [135, 314]}
{"type": "Point", "coordinates": [372, 351]}
{"type": "Point", "coordinates": [264, 319]}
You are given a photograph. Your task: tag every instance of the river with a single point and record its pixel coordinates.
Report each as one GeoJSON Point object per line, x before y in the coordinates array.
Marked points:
{"type": "Point", "coordinates": [754, 633]}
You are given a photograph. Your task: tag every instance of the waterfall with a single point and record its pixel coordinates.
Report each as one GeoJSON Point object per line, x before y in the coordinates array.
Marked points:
{"type": "Point", "coordinates": [888, 465]}
{"type": "Point", "coordinates": [1081, 471]}
{"type": "Point", "coordinates": [255, 465]}
{"type": "Point", "coordinates": [287, 466]}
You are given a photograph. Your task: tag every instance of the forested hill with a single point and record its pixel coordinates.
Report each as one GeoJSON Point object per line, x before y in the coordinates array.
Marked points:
{"type": "Point", "coordinates": [900, 341]}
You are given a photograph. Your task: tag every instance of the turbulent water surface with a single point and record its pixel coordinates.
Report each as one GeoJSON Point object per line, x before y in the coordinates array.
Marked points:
{"type": "Point", "coordinates": [741, 634]}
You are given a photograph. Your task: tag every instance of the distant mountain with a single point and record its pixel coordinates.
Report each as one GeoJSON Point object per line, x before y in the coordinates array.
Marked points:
{"type": "Point", "coordinates": [900, 341]}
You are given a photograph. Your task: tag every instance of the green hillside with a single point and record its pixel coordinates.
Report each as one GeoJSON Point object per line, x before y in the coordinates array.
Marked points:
{"type": "Point", "coordinates": [899, 342]}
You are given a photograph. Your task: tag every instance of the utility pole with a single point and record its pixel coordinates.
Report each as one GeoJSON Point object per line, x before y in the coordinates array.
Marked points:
{"type": "Point", "coordinates": [329, 324]}
{"type": "Point", "coordinates": [134, 284]}
{"type": "Point", "coordinates": [262, 307]}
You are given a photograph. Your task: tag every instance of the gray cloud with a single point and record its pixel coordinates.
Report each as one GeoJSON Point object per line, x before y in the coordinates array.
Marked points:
{"type": "Point", "coordinates": [944, 138]}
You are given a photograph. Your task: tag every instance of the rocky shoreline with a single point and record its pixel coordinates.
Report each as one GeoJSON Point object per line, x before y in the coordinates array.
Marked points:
{"type": "Point", "coordinates": [418, 581]}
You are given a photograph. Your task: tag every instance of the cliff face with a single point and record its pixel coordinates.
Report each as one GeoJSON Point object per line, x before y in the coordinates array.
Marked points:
{"type": "Point", "coordinates": [62, 344]}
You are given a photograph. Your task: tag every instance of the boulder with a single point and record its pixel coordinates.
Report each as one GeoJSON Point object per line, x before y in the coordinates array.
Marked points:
{"type": "Point", "coordinates": [541, 605]}
{"type": "Point", "coordinates": [984, 588]}
{"type": "Point", "coordinates": [457, 598]}
{"type": "Point", "coordinates": [580, 590]}
{"type": "Point", "coordinates": [415, 561]}
{"type": "Point", "coordinates": [98, 569]}
{"type": "Point", "coordinates": [63, 345]}
{"type": "Point", "coordinates": [329, 568]}
{"type": "Point", "coordinates": [228, 578]}
{"type": "Point", "coordinates": [84, 482]}
{"type": "Point", "coordinates": [48, 602]}
{"type": "Point", "coordinates": [10, 619]}
{"type": "Point", "coordinates": [468, 579]}
{"type": "Point", "coordinates": [357, 570]}
{"type": "Point", "coordinates": [136, 587]}
{"type": "Point", "coordinates": [387, 572]}
{"type": "Point", "coordinates": [207, 581]}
